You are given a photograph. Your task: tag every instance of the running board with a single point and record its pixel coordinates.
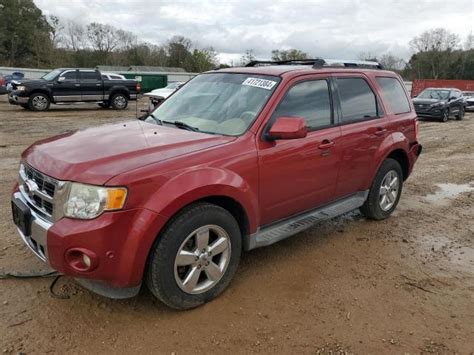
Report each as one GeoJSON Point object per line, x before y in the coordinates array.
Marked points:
{"type": "Point", "coordinates": [281, 230]}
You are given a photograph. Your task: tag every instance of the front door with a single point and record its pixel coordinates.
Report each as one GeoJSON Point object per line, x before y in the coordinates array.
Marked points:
{"type": "Point", "coordinates": [300, 174]}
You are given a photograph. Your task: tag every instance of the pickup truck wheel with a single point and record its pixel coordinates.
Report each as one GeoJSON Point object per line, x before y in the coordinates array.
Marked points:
{"type": "Point", "coordinates": [460, 114]}
{"type": "Point", "coordinates": [385, 191]}
{"type": "Point", "coordinates": [38, 102]}
{"type": "Point", "coordinates": [119, 102]}
{"type": "Point", "coordinates": [194, 259]}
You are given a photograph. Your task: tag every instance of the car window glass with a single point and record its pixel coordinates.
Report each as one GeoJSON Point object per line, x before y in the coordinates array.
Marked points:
{"type": "Point", "coordinates": [393, 92]}
{"type": "Point", "coordinates": [310, 100]}
{"type": "Point", "coordinates": [70, 75]}
{"type": "Point", "coordinates": [89, 75]}
{"type": "Point", "coordinates": [358, 101]}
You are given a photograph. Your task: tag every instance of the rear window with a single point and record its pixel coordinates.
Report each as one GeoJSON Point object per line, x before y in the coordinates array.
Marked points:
{"type": "Point", "coordinates": [358, 101]}
{"type": "Point", "coordinates": [393, 92]}
{"type": "Point", "coordinates": [89, 75]}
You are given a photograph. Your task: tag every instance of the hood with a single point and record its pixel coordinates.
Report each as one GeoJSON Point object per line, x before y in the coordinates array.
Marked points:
{"type": "Point", "coordinates": [95, 155]}
{"type": "Point", "coordinates": [417, 100]}
{"type": "Point", "coordinates": [29, 83]}
{"type": "Point", "coordinates": [164, 93]}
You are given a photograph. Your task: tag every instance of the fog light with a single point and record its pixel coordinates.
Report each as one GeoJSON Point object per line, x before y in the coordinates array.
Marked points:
{"type": "Point", "coordinates": [86, 260]}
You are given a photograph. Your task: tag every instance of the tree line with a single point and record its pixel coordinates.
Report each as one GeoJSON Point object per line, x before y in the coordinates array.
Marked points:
{"type": "Point", "coordinates": [30, 39]}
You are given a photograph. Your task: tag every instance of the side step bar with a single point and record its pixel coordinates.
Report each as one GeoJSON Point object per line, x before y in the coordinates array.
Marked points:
{"type": "Point", "coordinates": [284, 229]}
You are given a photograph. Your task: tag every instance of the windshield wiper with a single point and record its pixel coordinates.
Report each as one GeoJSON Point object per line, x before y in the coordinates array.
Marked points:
{"type": "Point", "coordinates": [182, 125]}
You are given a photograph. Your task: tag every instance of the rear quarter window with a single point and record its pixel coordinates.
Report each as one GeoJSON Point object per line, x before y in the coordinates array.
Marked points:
{"type": "Point", "coordinates": [394, 94]}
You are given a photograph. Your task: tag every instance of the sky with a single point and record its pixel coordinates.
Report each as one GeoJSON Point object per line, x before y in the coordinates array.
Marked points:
{"type": "Point", "coordinates": [340, 29]}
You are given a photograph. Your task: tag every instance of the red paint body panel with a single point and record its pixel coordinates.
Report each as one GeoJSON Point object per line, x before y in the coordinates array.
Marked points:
{"type": "Point", "coordinates": [165, 169]}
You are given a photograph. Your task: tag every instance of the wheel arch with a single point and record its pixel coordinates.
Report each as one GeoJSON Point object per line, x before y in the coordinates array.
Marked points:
{"type": "Point", "coordinates": [118, 90]}
{"type": "Point", "coordinates": [41, 91]}
{"type": "Point", "coordinates": [402, 158]}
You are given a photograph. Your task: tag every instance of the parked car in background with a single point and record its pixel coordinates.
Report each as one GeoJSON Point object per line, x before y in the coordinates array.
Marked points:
{"type": "Point", "coordinates": [157, 96]}
{"type": "Point", "coordinates": [73, 85]}
{"type": "Point", "coordinates": [440, 103]}
{"type": "Point", "coordinates": [236, 159]}
{"type": "Point", "coordinates": [469, 100]}
{"type": "Point", "coordinates": [113, 76]}
{"type": "Point", "coordinates": [7, 79]}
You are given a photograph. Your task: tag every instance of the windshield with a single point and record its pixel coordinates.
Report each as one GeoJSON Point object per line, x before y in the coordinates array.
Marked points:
{"type": "Point", "coordinates": [223, 103]}
{"type": "Point", "coordinates": [51, 75]}
{"type": "Point", "coordinates": [434, 94]}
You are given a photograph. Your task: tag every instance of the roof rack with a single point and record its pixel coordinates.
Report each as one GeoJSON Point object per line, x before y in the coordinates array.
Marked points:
{"type": "Point", "coordinates": [319, 63]}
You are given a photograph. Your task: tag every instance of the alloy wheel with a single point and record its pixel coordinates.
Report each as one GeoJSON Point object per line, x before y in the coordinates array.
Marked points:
{"type": "Point", "coordinates": [389, 190]}
{"type": "Point", "coordinates": [202, 259]}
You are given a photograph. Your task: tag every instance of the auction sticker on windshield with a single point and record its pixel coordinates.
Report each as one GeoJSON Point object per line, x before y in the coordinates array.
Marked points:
{"type": "Point", "coordinates": [259, 83]}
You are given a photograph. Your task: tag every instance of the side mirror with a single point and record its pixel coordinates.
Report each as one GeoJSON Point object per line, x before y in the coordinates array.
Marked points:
{"type": "Point", "coordinates": [287, 128]}
{"type": "Point", "coordinates": [61, 79]}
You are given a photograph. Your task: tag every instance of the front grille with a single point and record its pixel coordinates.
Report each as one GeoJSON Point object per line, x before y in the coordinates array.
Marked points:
{"type": "Point", "coordinates": [39, 190]}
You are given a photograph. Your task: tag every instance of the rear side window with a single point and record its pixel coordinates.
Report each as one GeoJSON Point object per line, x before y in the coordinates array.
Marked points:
{"type": "Point", "coordinates": [393, 92]}
{"type": "Point", "coordinates": [89, 75]}
{"type": "Point", "coordinates": [310, 100]}
{"type": "Point", "coordinates": [358, 101]}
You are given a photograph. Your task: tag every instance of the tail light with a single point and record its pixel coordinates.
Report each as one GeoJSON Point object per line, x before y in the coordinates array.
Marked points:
{"type": "Point", "coordinates": [2, 82]}
{"type": "Point", "coordinates": [138, 87]}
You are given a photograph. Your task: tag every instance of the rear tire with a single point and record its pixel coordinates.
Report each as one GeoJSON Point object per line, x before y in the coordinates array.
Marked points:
{"type": "Point", "coordinates": [119, 102]}
{"type": "Point", "coordinates": [39, 102]}
{"type": "Point", "coordinates": [208, 238]}
{"type": "Point", "coordinates": [385, 191]}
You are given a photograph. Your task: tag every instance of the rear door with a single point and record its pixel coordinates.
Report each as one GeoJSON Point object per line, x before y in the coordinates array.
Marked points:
{"type": "Point", "coordinates": [91, 85]}
{"type": "Point", "coordinates": [300, 174]}
{"type": "Point", "coordinates": [67, 87]}
{"type": "Point", "coordinates": [363, 129]}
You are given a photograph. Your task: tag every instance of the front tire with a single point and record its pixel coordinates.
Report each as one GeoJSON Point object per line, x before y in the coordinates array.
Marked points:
{"type": "Point", "coordinates": [445, 116]}
{"type": "Point", "coordinates": [460, 114]}
{"type": "Point", "coordinates": [39, 102]}
{"type": "Point", "coordinates": [385, 191]}
{"type": "Point", "coordinates": [119, 102]}
{"type": "Point", "coordinates": [196, 256]}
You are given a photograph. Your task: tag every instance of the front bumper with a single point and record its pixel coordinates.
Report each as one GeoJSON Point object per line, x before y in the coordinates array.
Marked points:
{"type": "Point", "coordinates": [430, 113]}
{"type": "Point", "coordinates": [118, 242]}
{"type": "Point", "coordinates": [17, 100]}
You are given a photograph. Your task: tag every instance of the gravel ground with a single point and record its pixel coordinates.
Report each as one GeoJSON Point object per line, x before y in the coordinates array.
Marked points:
{"type": "Point", "coordinates": [403, 285]}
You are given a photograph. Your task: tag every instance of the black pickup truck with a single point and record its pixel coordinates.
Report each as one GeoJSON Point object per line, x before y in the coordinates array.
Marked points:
{"type": "Point", "coordinates": [73, 85]}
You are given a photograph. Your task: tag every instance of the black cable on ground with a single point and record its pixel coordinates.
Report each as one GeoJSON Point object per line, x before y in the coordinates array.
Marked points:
{"type": "Point", "coordinates": [27, 275]}
{"type": "Point", "coordinates": [53, 293]}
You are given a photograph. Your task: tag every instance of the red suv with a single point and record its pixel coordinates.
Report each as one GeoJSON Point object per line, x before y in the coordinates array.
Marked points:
{"type": "Point", "coordinates": [235, 160]}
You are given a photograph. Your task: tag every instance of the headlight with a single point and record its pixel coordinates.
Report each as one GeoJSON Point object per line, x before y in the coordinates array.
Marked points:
{"type": "Point", "coordinates": [88, 201]}
{"type": "Point", "coordinates": [21, 88]}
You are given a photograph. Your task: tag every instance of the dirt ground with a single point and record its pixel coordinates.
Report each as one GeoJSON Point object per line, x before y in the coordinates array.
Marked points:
{"type": "Point", "coordinates": [403, 285]}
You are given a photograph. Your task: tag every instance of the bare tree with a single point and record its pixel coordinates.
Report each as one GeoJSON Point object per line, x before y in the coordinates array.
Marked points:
{"type": "Point", "coordinates": [103, 38]}
{"type": "Point", "coordinates": [392, 62]}
{"type": "Point", "coordinates": [291, 54]}
{"type": "Point", "coordinates": [75, 36]}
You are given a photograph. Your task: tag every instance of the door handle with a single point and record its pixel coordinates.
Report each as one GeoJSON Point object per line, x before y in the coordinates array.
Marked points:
{"type": "Point", "coordinates": [326, 144]}
{"type": "Point", "coordinates": [77, 84]}
{"type": "Point", "coordinates": [97, 84]}
{"type": "Point", "coordinates": [380, 131]}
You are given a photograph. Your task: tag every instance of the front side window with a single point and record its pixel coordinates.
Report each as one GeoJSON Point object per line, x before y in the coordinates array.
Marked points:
{"type": "Point", "coordinates": [70, 75]}
{"type": "Point", "coordinates": [310, 100]}
{"type": "Point", "coordinates": [51, 75]}
{"type": "Point", "coordinates": [358, 101]}
{"type": "Point", "coordinates": [221, 103]}
{"type": "Point", "coordinates": [393, 92]}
